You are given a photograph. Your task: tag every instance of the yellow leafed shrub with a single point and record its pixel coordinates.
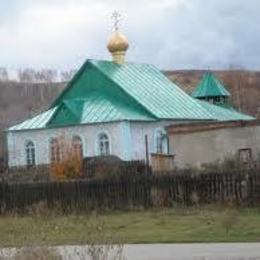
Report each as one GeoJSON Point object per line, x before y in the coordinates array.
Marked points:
{"type": "Point", "coordinates": [69, 162]}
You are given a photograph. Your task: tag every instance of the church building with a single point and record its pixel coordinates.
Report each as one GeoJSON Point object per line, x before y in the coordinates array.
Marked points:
{"type": "Point", "coordinates": [117, 108]}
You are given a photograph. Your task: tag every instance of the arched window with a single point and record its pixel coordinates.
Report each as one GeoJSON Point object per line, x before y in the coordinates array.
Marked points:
{"type": "Point", "coordinates": [103, 144]}
{"type": "Point", "coordinates": [77, 146]}
{"type": "Point", "coordinates": [161, 142]}
{"type": "Point", "coordinates": [55, 151]}
{"type": "Point", "coordinates": [30, 153]}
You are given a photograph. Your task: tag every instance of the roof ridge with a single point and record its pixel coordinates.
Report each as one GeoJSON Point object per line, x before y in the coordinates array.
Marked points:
{"type": "Point", "coordinates": [125, 63]}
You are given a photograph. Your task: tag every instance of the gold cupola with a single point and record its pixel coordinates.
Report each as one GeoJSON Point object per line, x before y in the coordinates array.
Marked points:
{"type": "Point", "coordinates": [117, 42]}
{"type": "Point", "coordinates": [117, 46]}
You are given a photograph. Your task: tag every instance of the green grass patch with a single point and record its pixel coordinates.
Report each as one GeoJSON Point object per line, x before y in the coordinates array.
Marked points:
{"type": "Point", "coordinates": [209, 224]}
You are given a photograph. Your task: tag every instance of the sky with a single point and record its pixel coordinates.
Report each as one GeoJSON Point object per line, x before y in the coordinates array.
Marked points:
{"type": "Point", "coordinates": [171, 34]}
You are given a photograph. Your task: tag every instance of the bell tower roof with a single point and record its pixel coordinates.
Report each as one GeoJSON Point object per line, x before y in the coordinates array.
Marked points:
{"type": "Point", "coordinates": [210, 86]}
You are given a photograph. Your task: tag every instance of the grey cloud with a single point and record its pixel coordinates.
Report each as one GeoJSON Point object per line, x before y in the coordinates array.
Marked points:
{"type": "Point", "coordinates": [168, 33]}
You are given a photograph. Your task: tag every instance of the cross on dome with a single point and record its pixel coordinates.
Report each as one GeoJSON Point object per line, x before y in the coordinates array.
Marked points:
{"type": "Point", "coordinates": [116, 18]}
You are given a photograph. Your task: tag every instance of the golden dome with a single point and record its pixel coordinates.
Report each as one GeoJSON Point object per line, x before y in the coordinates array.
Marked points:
{"type": "Point", "coordinates": [117, 42]}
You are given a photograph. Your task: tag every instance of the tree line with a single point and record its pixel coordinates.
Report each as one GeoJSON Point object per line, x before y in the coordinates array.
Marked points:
{"type": "Point", "coordinates": [29, 75]}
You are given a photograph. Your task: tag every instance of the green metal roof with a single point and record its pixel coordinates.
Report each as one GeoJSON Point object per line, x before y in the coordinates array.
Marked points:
{"type": "Point", "coordinates": [95, 108]}
{"type": "Point", "coordinates": [37, 122]}
{"type": "Point", "coordinates": [224, 114]}
{"type": "Point", "coordinates": [210, 86]}
{"type": "Point", "coordinates": [140, 84]}
{"type": "Point", "coordinates": [153, 90]}
{"type": "Point", "coordinates": [103, 91]}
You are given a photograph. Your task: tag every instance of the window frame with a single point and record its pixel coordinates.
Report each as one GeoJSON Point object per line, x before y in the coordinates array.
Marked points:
{"type": "Point", "coordinates": [30, 153]}
{"type": "Point", "coordinates": [245, 152]}
{"type": "Point", "coordinates": [164, 149]}
{"type": "Point", "coordinates": [77, 140]}
{"type": "Point", "coordinates": [56, 156]}
{"type": "Point", "coordinates": [98, 143]}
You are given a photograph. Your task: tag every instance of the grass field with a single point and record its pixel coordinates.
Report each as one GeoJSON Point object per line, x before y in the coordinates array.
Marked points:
{"type": "Point", "coordinates": [209, 224]}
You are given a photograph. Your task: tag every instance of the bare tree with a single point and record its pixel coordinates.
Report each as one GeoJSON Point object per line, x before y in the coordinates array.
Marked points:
{"type": "Point", "coordinates": [67, 75]}
{"type": "Point", "coordinates": [238, 81]}
{"type": "Point", "coordinates": [27, 75]}
{"type": "Point", "coordinates": [40, 76]}
{"type": "Point", "coordinates": [3, 74]}
{"type": "Point", "coordinates": [48, 75]}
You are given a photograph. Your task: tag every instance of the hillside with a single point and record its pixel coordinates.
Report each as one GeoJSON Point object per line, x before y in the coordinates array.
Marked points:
{"type": "Point", "coordinates": [18, 101]}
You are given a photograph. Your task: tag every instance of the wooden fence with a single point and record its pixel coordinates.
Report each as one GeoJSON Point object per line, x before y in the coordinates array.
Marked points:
{"type": "Point", "coordinates": [134, 191]}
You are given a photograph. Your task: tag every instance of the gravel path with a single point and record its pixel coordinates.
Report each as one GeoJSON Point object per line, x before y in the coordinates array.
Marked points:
{"type": "Point", "coordinates": [219, 251]}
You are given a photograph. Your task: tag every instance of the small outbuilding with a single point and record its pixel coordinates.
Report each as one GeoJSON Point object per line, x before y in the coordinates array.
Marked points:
{"type": "Point", "coordinates": [234, 134]}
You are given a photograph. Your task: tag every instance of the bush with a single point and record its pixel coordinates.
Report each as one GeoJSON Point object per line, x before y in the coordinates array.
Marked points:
{"type": "Point", "coordinates": [23, 174]}
{"type": "Point", "coordinates": [70, 164]}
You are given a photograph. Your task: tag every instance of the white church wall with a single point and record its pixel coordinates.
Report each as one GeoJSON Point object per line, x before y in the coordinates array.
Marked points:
{"type": "Point", "coordinates": [138, 132]}
{"type": "Point", "coordinates": [119, 135]}
{"type": "Point", "coordinates": [127, 140]}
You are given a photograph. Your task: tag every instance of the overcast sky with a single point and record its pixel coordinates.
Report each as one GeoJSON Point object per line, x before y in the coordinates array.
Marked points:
{"type": "Point", "coordinates": [172, 34]}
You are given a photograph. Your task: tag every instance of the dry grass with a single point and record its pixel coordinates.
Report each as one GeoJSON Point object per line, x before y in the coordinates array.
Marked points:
{"type": "Point", "coordinates": [195, 224]}
{"type": "Point", "coordinates": [37, 253]}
